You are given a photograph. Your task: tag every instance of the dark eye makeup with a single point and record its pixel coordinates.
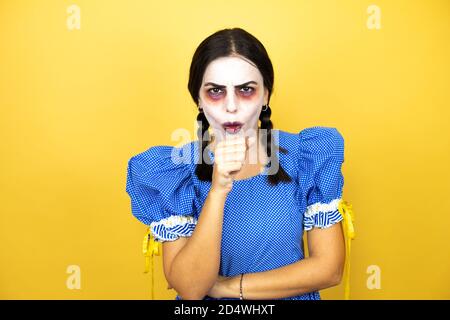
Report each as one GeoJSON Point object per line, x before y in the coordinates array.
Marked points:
{"type": "Point", "coordinates": [246, 91]}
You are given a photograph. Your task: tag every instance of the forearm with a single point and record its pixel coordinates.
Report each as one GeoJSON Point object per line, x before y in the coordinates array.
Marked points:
{"type": "Point", "coordinates": [195, 268]}
{"type": "Point", "coordinates": [301, 277]}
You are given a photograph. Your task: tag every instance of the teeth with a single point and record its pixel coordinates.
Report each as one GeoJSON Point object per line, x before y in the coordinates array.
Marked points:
{"type": "Point", "coordinates": [232, 129]}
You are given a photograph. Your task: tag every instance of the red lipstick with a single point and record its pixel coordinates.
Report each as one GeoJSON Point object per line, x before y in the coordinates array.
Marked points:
{"type": "Point", "coordinates": [232, 127]}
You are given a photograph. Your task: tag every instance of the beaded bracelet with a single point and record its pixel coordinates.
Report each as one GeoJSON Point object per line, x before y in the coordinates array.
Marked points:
{"type": "Point", "coordinates": [241, 297]}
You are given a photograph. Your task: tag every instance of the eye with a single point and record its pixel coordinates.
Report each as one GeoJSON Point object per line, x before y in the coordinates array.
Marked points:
{"type": "Point", "coordinates": [215, 91]}
{"type": "Point", "coordinates": [247, 90]}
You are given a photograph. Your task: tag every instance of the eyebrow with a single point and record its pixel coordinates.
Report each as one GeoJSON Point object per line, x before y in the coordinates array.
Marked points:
{"type": "Point", "coordinates": [222, 86]}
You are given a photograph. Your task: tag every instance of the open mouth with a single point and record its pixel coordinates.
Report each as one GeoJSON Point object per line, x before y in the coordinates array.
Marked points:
{"type": "Point", "coordinates": [232, 127]}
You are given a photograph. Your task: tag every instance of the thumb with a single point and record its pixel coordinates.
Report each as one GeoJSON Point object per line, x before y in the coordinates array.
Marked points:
{"type": "Point", "coordinates": [212, 143]}
{"type": "Point", "coordinates": [250, 141]}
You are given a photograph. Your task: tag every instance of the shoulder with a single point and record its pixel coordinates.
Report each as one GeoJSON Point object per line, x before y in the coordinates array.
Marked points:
{"type": "Point", "coordinates": [149, 158]}
{"type": "Point", "coordinates": [162, 191]}
{"type": "Point", "coordinates": [319, 140]}
{"type": "Point", "coordinates": [161, 158]}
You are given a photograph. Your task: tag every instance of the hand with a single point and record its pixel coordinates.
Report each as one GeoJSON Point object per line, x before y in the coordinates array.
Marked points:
{"type": "Point", "coordinates": [229, 157]}
{"type": "Point", "coordinates": [222, 288]}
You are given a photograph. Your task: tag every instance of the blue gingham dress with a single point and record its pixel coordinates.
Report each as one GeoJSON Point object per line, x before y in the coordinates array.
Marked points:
{"type": "Point", "coordinates": [263, 225]}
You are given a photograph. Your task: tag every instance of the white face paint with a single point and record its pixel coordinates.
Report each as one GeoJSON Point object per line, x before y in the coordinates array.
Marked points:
{"type": "Point", "coordinates": [229, 102]}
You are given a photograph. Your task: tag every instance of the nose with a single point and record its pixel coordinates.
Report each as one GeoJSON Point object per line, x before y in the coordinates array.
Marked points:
{"type": "Point", "coordinates": [231, 103]}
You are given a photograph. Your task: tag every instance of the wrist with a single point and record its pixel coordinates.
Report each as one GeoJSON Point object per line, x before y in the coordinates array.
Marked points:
{"type": "Point", "coordinates": [218, 194]}
{"type": "Point", "coordinates": [232, 287]}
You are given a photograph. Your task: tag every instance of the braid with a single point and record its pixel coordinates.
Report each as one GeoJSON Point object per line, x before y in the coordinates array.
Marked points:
{"type": "Point", "coordinates": [266, 123]}
{"type": "Point", "coordinates": [203, 170]}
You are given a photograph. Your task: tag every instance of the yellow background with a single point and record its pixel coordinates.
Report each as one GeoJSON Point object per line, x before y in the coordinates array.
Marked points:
{"type": "Point", "coordinates": [77, 104]}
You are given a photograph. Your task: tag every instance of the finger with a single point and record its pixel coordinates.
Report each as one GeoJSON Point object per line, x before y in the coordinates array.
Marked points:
{"type": "Point", "coordinates": [238, 156]}
{"type": "Point", "coordinates": [225, 145]}
{"type": "Point", "coordinates": [234, 149]}
{"type": "Point", "coordinates": [231, 167]}
{"type": "Point", "coordinates": [234, 142]}
{"type": "Point", "coordinates": [239, 134]}
{"type": "Point", "coordinates": [226, 151]}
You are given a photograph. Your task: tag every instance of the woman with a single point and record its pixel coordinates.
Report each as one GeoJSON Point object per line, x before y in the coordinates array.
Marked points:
{"type": "Point", "coordinates": [231, 219]}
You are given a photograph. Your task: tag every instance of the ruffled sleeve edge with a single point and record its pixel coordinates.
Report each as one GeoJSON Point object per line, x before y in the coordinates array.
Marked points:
{"type": "Point", "coordinates": [322, 215]}
{"type": "Point", "coordinates": [173, 227]}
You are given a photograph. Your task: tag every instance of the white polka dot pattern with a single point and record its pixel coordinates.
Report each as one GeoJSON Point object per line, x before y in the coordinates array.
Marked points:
{"type": "Point", "coordinates": [162, 193]}
{"type": "Point", "coordinates": [263, 225]}
{"type": "Point", "coordinates": [322, 154]}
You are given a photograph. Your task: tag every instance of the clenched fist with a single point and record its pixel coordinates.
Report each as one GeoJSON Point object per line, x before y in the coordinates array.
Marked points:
{"type": "Point", "coordinates": [229, 157]}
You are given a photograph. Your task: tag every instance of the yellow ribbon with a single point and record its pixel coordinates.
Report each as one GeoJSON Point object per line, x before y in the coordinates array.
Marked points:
{"type": "Point", "coordinates": [150, 247]}
{"type": "Point", "coordinates": [349, 231]}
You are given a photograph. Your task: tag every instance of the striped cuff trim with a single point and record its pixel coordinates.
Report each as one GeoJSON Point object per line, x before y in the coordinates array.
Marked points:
{"type": "Point", "coordinates": [322, 215]}
{"type": "Point", "coordinates": [173, 227]}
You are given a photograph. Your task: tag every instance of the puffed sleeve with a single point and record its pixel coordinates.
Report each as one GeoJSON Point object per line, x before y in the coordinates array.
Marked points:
{"type": "Point", "coordinates": [321, 154]}
{"type": "Point", "coordinates": [162, 193]}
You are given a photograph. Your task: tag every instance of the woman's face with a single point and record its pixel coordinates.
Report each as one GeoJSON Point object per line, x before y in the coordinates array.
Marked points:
{"type": "Point", "coordinates": [232, 90]}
